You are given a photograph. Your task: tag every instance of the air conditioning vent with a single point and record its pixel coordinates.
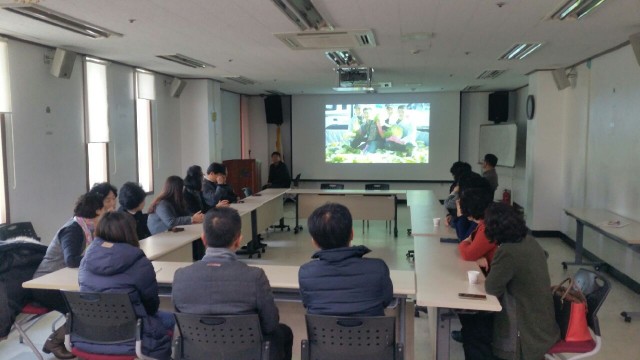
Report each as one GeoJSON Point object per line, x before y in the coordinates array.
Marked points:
{"type": "Point", "coordinates": [241, 79]}
{"type": "Point", "coordinates": [472, 88]}
{"type": "Point", "coordinates": [314, 40]}
{"type": "Point", "coordinates": [490, 74]}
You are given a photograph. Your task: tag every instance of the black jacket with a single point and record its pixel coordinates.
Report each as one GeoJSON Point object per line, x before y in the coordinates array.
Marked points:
{"type": "Point", "coordinates": [141, 223]}
{"type": "Point", "coordinates": [18, 261]}
{"type": "Point", "coordinates": [213, 193]}
{"type": "Point", "coordinates": [279, 175]}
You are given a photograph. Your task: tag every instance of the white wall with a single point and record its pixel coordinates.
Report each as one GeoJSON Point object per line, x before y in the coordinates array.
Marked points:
{"type": "Point", "coordinates": [49, 171]}
{"type": "Point", "coordinates": [474, 109]}
{"type": "Point", "coordinates": [45, 148]}
{"type": "Point", "coordinates": [230, 122]}
{"type": "Point", "coordinates": [194, 124]}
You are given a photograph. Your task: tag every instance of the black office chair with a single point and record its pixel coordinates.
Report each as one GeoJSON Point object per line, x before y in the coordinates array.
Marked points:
{"type": "Point", "coordinates": [9, 231]}
{"type": "Point", "coordinates": [351, 338]}
{"type": "Point", "coordinates": [102, 319]}
{"type": "Point", "coordinates": [228, 337]}
{"type": "Point", "coordinates": [374, 187]}
{"type": "Point", "coordinates": [331, 186]}
{"type": "Point", "coordinates": [595, 288]}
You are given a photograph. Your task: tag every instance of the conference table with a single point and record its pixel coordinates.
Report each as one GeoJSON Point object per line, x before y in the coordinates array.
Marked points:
{"type": "Point", "coordinates": [605, 222]}
{"type": "Point", "coordinates": [441, 274]}
{"type": "Point", "coordinates": [283, 280]}
{"type": "Point", "coordinates": [363, 204]}
{"type": "Point", "coordinates": [258, 212]}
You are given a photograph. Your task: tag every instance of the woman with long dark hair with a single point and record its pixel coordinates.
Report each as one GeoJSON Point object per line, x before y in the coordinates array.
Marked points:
{"type": "Point", "coordinates": [169, 210]}
{"type": "Point", "coordinates": [114, 263]}
{"type": "Point", "coordinates": [193, 190]}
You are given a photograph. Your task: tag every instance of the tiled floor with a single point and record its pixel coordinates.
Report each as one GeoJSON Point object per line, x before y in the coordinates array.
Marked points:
{"type": "Point", "coordinates": [621, 341]}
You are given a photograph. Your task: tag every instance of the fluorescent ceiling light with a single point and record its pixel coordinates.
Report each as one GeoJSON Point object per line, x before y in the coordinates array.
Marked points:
{"type": "Point", "coordinates": [520, 51]}
{"type": "Point", "coordinates": [185, 60]}
{"type": "Point", "coordinates": [342, 58]}
{"type": "Point", "coordinates": [303, 13]}
{"type": "Point", "coordinates": [354, 89]}
{"type": "Point", "coordinates": [64, 21]}
{"type": "Point", "coordinates": [575, 9]}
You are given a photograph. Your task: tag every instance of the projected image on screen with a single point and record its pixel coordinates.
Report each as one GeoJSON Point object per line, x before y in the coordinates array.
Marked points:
{"type": "Point", "coordinates": [377, 133]}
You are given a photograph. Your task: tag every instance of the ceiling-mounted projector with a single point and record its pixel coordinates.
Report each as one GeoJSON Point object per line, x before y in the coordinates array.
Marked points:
{"type": "Point", "coordinates": [354, 79]}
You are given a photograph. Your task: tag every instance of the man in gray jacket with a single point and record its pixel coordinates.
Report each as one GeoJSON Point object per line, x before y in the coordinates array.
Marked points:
{"type": "Point", "coordinates": [220, 285]}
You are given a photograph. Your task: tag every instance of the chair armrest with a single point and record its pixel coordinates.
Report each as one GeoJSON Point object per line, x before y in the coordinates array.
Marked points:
{"type": "Point", "coordinates": [266, 349]}
{"type": "Point", "coordinates": [304, 349]}
{"type": "Point", "coordinates": [399, 351]}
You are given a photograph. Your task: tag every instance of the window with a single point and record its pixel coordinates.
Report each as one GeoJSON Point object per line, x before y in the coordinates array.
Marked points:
{"type": "Point", "coordinates": [145, 93]}
{"type": "Point", "coordinates": [145, 150]}
{"type": "Point", "coordinates": [5, 107]}
{"type": "Point", "coordinates": [96, 121]}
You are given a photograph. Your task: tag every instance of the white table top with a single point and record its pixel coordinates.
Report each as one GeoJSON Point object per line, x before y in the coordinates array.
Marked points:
{"type": "Point", "coordinates": [421, 197]}
{"type": "Point", "coordinates": [424, 207]}
{"type": "Point", "coordinates": [346, 192]}
{"type": "Point", "coordinates": [442, 274]}
{"type": "Point", "coordinates": [599, 218]}
{"type": "Point", "coordinates": [166, 242]}
{"type": "Point", "coordinates": [282, 277]}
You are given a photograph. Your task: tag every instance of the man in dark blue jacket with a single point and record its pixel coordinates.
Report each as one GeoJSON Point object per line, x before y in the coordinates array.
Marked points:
{"type": "Point", "coordinates": [339, 281]}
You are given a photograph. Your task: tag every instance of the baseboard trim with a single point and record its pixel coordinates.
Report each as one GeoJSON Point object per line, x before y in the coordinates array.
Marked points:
{"type": "Point", "coordinates": [615, 273]}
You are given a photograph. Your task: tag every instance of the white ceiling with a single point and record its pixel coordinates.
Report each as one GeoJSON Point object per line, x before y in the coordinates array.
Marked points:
{"type": "Point", "coordinates": [237, 37]}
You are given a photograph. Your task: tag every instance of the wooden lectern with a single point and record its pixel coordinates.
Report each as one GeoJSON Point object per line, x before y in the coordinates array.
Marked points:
{"type": "Point", "coordinates": [243, 173]}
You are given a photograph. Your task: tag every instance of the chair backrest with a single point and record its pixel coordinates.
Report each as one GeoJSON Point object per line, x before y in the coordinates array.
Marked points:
{"type": "Point", "coordinates": [247, 191]}
{"type": "Point", "coordinates": [296, 180]}
{"type": "Point", "coordinates": [352, 338]}
{"type": "Point", "coordinates": [220, 337]}
{"type": "Point", "coordinates": [595, 288]}
{"type": "Point", "coordinates": [376, 186]}
{"type": "Point", "coordinates": [101, 318]}
{"type": "Point", "coordinates": [331, 186]}
{"type": "Point", "coordinates": [9, 231]}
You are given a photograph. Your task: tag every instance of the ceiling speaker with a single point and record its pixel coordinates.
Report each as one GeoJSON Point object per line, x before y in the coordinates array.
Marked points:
{"type": "Point", "coordinates": [634, 40]}
{"type": "Point", "coordinates": [177, 85]}
{"type": "Point", "coordinates": [561, 78]}
{"type": "Point", "coordinates": [62, 64]}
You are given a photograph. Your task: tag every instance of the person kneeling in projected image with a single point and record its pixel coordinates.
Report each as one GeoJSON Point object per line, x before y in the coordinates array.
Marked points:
{"type": "Point", "coordinates": [401, 136]}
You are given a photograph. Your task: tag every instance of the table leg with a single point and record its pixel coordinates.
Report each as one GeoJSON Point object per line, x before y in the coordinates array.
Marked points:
{"type": "Point", "coordinates": [298, 227]}
{"type": "Point", "coordinates": [395, 216]}
{"type": "Point", "coordinates": [402, 324]}
{"type": "Point", "coordinates": [579, 242]}
{"type": "Point", "coordinates": [443, 333]}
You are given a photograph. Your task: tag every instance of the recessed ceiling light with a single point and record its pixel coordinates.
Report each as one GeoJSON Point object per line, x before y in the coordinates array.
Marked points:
{"type": "Point", "coordinates": [185, 60]}
{"type": "Point", "coordinates": [64, 21]}
{"type": "Point", "coordinates": [575, 9]}
{"type": "Point", "coordinates": [520, 51]}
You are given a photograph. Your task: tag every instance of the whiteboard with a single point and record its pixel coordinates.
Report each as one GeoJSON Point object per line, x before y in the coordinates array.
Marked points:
{"type": "Point", "coordinates": [499, 140]}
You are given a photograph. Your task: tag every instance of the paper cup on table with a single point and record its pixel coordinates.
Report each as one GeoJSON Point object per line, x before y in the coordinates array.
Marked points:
{"type": "Point", "coordinates": [436, 221]}
{"type": "Point", "coordinates": [474, 276]}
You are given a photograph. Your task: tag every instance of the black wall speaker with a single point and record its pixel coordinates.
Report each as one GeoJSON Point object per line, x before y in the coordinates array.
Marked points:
{"type": "Point", "coordinates": [177, 85]}
{"type": "Point", "coordinates": [62, 64]}
{"type": "Point", "coordinates": [499, 106]}
{"type": "Point", "coordinates": [561, 78]}
{"type": "Point", "coordinates": [634, 40]}
{"type": "Point", "coordinates": [273, 109]}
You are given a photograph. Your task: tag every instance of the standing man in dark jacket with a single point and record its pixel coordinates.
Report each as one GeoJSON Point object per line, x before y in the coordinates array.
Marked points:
{"type": "Point", "coordinates": [220, 285]}
{"type": "Point", "coordinates": [339, 281]}
{"type": "Point", "coordinates": [279, 176]}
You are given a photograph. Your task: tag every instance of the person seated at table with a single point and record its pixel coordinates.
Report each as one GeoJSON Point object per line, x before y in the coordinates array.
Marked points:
{"type": "Point", "coordinates": [279, 177]}
{"type": "Point", "coordinates": [489, 172]}
{"type": "Point", "coordinates": [65, 250]}
{"type": "Point", "coordinates": [168, 210]}
{"type": "Point", "coordinates": [457, 170]}
{"type": "Point", "coordinates": [193, 190]}
{"type": "Point", "coordinates": [220, 285]}
{"type": "Point", "coordinates": [114, 263]}
{"type": "Point", "coordinates": [463, 225]}
{"type": "Point", "coordinates": [476, 328]}
{"type": "Point", "coordinates": [132, 202]}
{"type": "Point", "coordinates": [519, 277]}
{"type": "Point", "coordinates": [215, 189]}
{"type": "Point", "coordinates": [339, 281]}
{"type": "Point", "coordinates": [108, 193]}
